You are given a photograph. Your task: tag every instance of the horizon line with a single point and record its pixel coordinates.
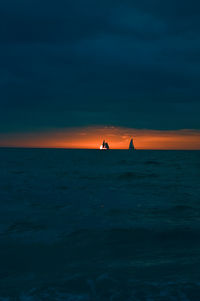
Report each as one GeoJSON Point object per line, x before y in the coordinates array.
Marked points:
{"type": "Point", "coordinates": [117, 137]}
{"type": "Point", "coordinates": [98, 149]}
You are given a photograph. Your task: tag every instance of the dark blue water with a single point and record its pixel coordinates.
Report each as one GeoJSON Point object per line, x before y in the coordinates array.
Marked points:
{"type": "Point", "coordinates": [99, 225]}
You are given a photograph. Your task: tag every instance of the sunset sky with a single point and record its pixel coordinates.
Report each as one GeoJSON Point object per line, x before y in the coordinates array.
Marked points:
{"type": "Point", "coordinates": [75, 72]}
{"type": "Point", "coordinates": [118, 138]}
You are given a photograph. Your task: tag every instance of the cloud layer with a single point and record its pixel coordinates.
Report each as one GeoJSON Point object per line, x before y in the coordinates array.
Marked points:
{"type": "Point", "coordinates": [78, 63]}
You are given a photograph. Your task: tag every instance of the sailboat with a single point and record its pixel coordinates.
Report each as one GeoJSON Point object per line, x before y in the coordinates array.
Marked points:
{"type": "Point", "coordinates": [104, 145]}
{"type": "Point", "coordinates": [131, 145]}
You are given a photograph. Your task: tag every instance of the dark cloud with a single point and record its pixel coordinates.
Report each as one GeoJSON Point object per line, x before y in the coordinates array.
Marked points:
{"type": "Point", "coordinates": [130, 63]}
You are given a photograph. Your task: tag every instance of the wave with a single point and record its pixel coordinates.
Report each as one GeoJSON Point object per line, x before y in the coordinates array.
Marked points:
{"type": "Point", "coordinates": [151, 162]}
{"type": "Point", "coordinates": [128, 175]}
{"type": "Point", "coordinates": [107, 288]}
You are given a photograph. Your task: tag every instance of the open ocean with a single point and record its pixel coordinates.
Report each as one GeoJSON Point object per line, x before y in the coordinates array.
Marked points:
{"type": "Point", "coordinates": [87, 225]}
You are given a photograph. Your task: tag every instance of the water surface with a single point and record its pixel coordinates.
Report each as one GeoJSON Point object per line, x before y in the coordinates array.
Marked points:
{"type": "Point", "coordinates": [95, 225]}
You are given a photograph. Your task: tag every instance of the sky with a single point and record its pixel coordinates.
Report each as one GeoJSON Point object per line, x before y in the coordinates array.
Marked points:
{"type": "Point", "coordinates": [82, 64]}
{"type": "Point", "coordinates": [92, 137]}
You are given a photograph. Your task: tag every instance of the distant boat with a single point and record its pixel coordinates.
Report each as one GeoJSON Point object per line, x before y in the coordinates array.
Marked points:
{"type": "Point", "coordinates": [104, 145]}
{"type": "Point", "coordinates": [131, 145]}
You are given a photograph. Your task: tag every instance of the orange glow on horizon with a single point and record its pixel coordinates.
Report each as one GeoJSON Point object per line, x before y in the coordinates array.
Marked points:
{"type": "Point", "coordinates": [117, 137]}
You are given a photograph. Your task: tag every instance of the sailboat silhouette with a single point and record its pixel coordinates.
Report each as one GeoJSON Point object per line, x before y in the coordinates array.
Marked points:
{"type": "Point", "coordinates": [104, 145]}
{"type": "Point", "coordinates": [131, 145]}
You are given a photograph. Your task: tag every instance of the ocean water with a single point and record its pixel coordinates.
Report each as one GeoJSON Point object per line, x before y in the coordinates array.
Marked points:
{"type": "Point", "coordinates": [99, 225]}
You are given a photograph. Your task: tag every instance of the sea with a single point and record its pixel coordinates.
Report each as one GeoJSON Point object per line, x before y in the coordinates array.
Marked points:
{"type": "Point", "coordinates": [91, 225]}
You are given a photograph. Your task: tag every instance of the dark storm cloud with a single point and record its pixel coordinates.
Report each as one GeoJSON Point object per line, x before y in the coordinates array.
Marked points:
{"type": "Point", "coordinates": [130, 63]}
